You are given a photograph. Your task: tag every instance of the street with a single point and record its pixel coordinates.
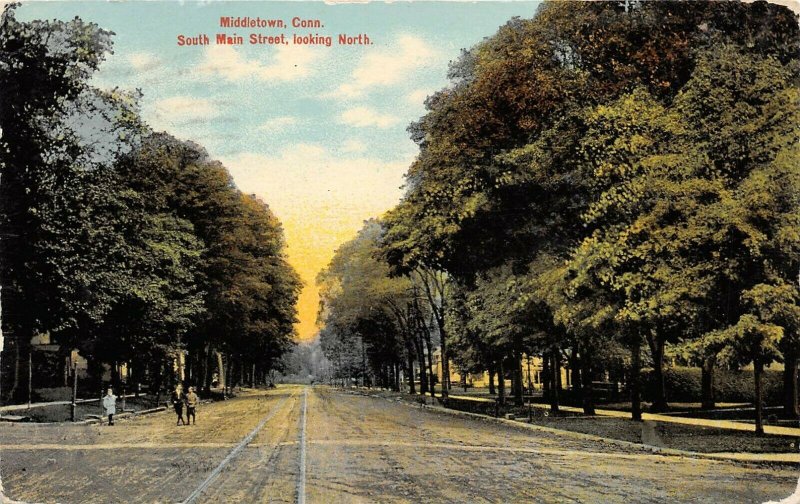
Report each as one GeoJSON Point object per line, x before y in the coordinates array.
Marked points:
{"type": "Point", "coordinates": [319, 445]}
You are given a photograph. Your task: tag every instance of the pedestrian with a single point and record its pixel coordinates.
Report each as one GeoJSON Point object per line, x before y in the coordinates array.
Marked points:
{"type": "Point", "coordinates": [177, 403]}
{"type": "Point", "coordinates": [110, 405]}
{"type": "Point", "coordinates": [191, 405]}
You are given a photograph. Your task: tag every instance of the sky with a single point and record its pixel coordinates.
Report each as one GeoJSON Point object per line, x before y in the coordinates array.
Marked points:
{"type": "Point", "coordinates": [317, 132]}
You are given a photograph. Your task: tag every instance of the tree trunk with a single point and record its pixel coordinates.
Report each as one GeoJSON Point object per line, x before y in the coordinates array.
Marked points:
{"type": "Point", "coordinates": [15, 386]}
{"type": "Point", "coordinates": [445, 355]}
{"type": "Point", "coordinates": [423, 374]}
{"type": "Point", "coordinates": [512, 386]}
{"type": "Point", "coordinates": [189, 367]}
{"type": "Point", "coordinates": [156, 380]}
{"type": "Point", "coordinates": [757, 369]}
{"type": "Point", "coordinates": [228, 372]}
{"type": "Point", "coordinates": [707, 383]}
{"type": "Point", "coordinates": [445, 363]}
{"type": "Point", "coordinates": [412, 387]}
{"type": "Point", "coordinates": [635, 384]}
{"type": "Point", "coordinates": [518, 400]}
{"type": "Point", "coordinates": [221, 371]}
{"type": "Point", "coordinates": [790, 402]}
{"type": "Point", "coordinates": [116, 378]}
{"type": "Point", "coordinates": [431, 373]}
{"type": "Point", "coordinates": [554, 372]}
{"type": "Point", "coordinates": [588, 388]}
{"type": "Point", "coordinates": [501, 384]}
{"type": "Point", "coordinates": [557, 366]}
{"type": "Point", "coordinates": [574, 370]}
{"type": "Point", "coordinates": [660, 400]}
{"type": "Point", "coordinates": [207, 370]}
{"type": "Point", "coordinates": [492, 390]}
{"type": "Point", "coordinates": [530, 377]}
{"type": "Point", "coordinates": [546, 376]}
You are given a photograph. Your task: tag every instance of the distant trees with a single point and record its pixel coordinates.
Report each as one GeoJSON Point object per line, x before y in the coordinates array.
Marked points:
{"type": "Point", "coordinates": [249, 291]}
{"type": "Point", "coordinates": [368, 316]}
{"type": "Point", "coordinates": [126, 244]}
{"type": "Point", "coordinates": [610, 176]}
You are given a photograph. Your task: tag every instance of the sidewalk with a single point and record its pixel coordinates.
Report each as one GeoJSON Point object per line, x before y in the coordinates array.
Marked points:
{"type": "Point", "coordinates": [24, 406]}
{"type": "Point", "coordinates": [743, 457]}
{"type": "Point", "coordinates": [655, 417]}
{"type": "Point", "coordinates": [697, 422]}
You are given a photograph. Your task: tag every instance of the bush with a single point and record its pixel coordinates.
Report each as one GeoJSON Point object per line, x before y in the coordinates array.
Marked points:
{"type": "Point", "coordinates": [684, 384]}
{"type": "Point", "coordinates": [738, 386]}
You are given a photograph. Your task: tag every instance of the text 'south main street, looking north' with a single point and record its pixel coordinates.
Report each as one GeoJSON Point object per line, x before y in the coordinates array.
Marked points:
{"type": "Point", "coordinates": [296, 22]}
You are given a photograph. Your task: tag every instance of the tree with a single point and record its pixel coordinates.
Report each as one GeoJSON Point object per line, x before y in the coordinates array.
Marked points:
{"type": "Point", "coordinates": [567, 137]}
{"type": "Point", "coordinates": [249, 290]}
{"type": "Point", "coordinates": [62, 225]}
{"type": "Point", "coordinates": [125, 244]}
{"type": "Point", "coordinates": [366, 310]}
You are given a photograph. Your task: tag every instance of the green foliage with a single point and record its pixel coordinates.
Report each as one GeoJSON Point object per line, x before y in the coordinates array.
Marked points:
{"type": "Point", "coordinates": [684, 384]}
{"type": "Point", "coordinates": [125, 244]}
{"type": "Point", "coordinates": [603, 175]}
{"type": "Point", "coordinates": [363, 308]}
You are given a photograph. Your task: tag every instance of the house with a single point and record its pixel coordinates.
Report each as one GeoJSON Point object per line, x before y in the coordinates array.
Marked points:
{"type": "Point", "coordinates": [532, 369]}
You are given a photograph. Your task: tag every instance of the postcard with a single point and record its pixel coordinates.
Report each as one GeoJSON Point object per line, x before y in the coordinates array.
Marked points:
{"type": "Point", "coordinates": [407, 252]}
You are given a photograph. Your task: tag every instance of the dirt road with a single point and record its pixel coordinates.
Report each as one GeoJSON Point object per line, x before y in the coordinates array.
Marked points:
{"type": "Point", "coordinates": [317, 445]}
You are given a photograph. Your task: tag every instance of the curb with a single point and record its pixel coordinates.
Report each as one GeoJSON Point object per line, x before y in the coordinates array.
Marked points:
{"type": "Point", "coordinates": [743, 458]}
{"type": "Point", "coordinates": [134, 414]}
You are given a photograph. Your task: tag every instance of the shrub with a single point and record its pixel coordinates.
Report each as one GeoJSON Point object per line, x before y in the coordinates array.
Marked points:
{"type": "Point", "coordinates": [684, 384]}
{"type": "Point", "coordinates": [738, 386]}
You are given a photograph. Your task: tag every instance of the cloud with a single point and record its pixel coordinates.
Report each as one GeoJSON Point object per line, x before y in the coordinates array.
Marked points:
{"type": "Point", "coordinates": [181, 110]}
{"type": "Point", "coordinates": [365, 116]}
{"type": "Point", "coordinates": [277, 123]}
{"type": "Point", "coordinates": [137, 69]}
{"type": "Point", "coordinates": [417, 97]}
{"type": "Point", "coordinates": [143, 61]}
{"type": "Point", "coordinates": [289, 63]}
{"type": "Point", "coordinates": [353, 145]}
{"type": "Point", "coordinates": [387, 67]}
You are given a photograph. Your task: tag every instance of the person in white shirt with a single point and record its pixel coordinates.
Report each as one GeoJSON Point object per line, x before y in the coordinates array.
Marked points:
{"type": "Point", "coordinates": [110, 405]}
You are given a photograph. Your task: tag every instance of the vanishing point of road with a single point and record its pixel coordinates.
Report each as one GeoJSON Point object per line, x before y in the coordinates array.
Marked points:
{"type": "Point", "coordinates": [318, 445]}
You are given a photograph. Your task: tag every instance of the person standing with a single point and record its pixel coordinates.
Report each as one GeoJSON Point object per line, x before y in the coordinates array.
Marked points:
{"type": "Point", "coordinates": [177, 404]}
{"type": "Point", "coordinates": [110, 405]}
{"type": "Point", "coordinates": [191, 405]}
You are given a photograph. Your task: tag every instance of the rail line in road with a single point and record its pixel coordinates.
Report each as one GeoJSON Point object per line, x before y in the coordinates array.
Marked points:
{"type": "Point", "coordinates": [428, 445]}
{"type": "Point", "coordinates": [354, 448]}
{"type": "Point", "coordinates": [301, 477]}
{"type": "Point", "coordinates": [236, 450]}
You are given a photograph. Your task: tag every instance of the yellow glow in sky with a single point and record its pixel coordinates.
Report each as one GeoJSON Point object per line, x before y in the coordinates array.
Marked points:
{"type": "Point", "coordinates": [322, 198]}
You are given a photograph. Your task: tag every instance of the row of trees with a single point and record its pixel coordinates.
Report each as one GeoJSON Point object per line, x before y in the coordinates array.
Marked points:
{"type": "Point", "coordinates": [126, 244]}
{"type": "Point", "coordinates": [604, 183]}
{"type": "Point", "coordinates": [376, 324]}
